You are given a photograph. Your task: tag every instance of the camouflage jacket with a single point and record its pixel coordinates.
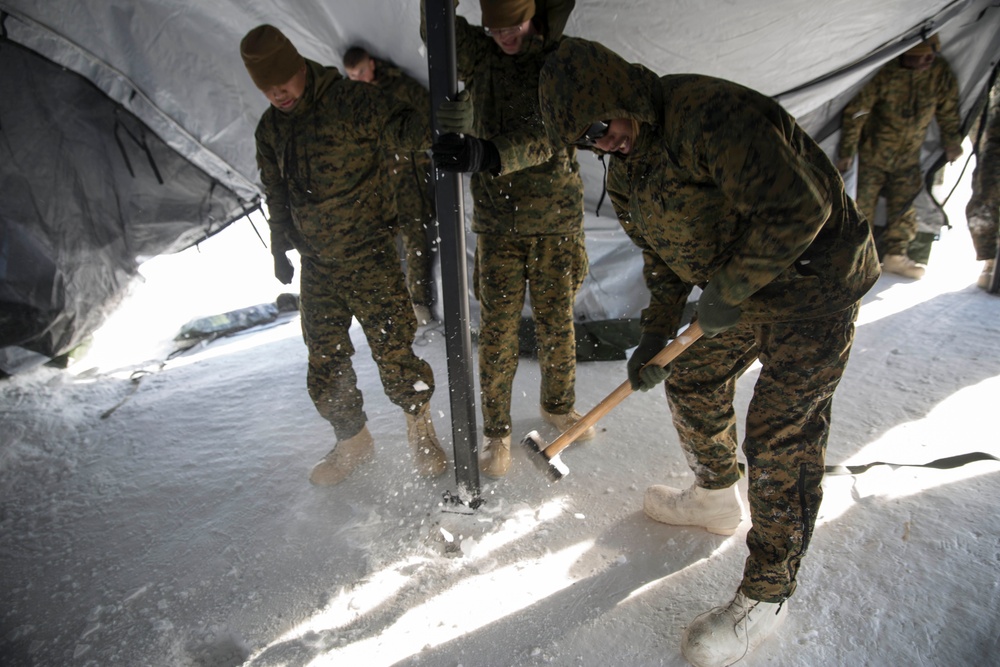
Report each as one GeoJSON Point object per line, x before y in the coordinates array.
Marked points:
{"type": "Point", "coordinates": [539, 189]}
{"type": "Point", "coordinates": [889, 117]}
{"type": "Point", "coordinates": [323, 169]}
{"type": "Point", "coordinates": [722, 184]}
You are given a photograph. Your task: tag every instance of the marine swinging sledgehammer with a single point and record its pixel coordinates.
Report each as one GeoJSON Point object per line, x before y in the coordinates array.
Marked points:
{"type": "Point", "coordinates": [546, 458]}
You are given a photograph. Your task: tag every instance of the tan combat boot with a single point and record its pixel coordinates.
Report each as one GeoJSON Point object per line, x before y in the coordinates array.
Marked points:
{"type": "Point", "coordinates": [428, 457]}
{"type": "Point", "coordinates": [986, 275]}
{"type": "Point", "coordinates": [902, 265]}
{"type": "Point", "coordinates": [725, 635]}
{"type": "Point", "coordinates": [343, 459]}
{"type": "Point", "coordinates": [494, 460]}
{"type": "Point", "coordinates": [566, 422]}
{"type": "Point", "coordinates": [717, 511]}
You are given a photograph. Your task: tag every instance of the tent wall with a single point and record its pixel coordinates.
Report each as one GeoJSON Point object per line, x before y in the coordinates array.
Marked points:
{"type": "Point", "coordinates": [86, 191]}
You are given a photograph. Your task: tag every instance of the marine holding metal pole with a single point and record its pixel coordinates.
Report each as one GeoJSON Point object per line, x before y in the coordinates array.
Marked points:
{"type": "Point", "coordinates": [440, 21]}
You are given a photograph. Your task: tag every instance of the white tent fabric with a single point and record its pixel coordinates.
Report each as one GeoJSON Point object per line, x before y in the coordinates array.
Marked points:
{"type": "Point", "coordinates": [175, 66]}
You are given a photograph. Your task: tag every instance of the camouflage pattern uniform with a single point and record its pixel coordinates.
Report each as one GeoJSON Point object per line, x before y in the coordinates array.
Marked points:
{"type": "Point", "coordinates": [325, 181]}
{"type": "Point", "coordinates": [983, 208]}
{"type": "Point", "coordinates": [889, 117]}
{"type": "Point", "coordinates": [529, 226]}
{"type": "Point", "coordinates": [722, 184]}
{"type": "Point", "coordinates": [410, 175]}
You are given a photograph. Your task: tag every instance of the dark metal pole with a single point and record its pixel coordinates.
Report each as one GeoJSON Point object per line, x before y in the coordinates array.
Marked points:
{"type": "Point", "coordinates": [440, 21]}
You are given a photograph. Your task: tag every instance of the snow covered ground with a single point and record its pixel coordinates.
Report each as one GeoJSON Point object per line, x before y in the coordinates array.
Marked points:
{"type": "Point", "coordinates": [167, 519]}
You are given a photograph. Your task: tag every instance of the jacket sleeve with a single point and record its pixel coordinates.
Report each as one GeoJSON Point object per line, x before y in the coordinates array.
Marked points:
{"type": "Point", "coordinates": [398, 126]}
{"type": "Point", "coordinates": [414, 94]}
{"type": "Point", "coordinates": [947, 109]}
{"type": "Point", "coordinates": [854, 117]}
{"type": "Point", "coordinates": [524, 146]}
{"type": "Point", "coordinates": [784, 198]}
{"type": "Point", "coordinates": [276, 194]}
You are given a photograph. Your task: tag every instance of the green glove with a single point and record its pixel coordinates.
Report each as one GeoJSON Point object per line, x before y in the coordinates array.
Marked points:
{"type": "Point", "coordinates": [714, 314]}
{"type": "Point", "coordinates": [641, 376]}
{"type": "Point", "coordinates": [455, 116]}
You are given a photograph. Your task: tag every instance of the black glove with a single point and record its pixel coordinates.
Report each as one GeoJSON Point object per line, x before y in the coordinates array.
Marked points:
{"type": "Point", "coordinates": [641, 376]}
{"type": "Point", "coordinates": [714, 314]}
{"type": "Point", "coordinates": [283, 269]}
{"type": "Point", "coordinates": [462, 153]}
{"type": "Point", "coordinates": [455, 116]}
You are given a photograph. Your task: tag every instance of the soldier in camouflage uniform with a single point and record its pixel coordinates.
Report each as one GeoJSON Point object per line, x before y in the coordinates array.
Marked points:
{"type": "Point", "coordinates": [527, 213]}
{"type": "Point", "coordinates": [889, 118]}
{"type": "Point", "coordinates": [983, 209]}
{"type": "Point", "coordinates": [720, 188]}
{"type": "Point", "coordinates": [409, 174]}
{"type": "Point", "coordinates": [319, 149]}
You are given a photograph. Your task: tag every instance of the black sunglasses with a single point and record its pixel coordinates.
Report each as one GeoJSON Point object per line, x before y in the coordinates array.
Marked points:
{"type": "Point", "coordinates": [593, 134]}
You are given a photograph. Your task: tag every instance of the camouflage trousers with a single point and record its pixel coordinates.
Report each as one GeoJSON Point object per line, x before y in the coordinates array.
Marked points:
{"type": "Point", "coordinates": [553, 268]}
{"type": "Point", "coordinates": [414, 220]}
{"type": "Point", "coordinates": [982, 216]}
{"type": "Point", "coordinates": [787, 426]}
{"type": "Point", "coordinates": [370, 289]}
{"type": "Point", "coordinates": [900, 188]}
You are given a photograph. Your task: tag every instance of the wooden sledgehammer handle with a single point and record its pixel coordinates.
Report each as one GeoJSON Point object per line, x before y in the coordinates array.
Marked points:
{"type": "Point", "coordinates": [662, 358]}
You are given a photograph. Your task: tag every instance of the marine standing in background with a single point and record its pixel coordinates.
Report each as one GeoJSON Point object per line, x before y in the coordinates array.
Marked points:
{"type": "Point", "coordinates": [983, 209]}
{"type": "Point", "coordinates": [885, 125]}
{"type": "Point", "coordinates": [720, 188]}
{"type": "Point", "coordinates": [527, 211]}
{"type": "Point", "coordinates": [320, 149]}
{"type": "Point", "coordinates": [409, 174]}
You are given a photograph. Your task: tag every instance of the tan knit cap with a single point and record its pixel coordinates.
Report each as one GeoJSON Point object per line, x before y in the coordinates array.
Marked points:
{"type": "Point", "coordinates": [926, 48]}
{"type": "Point", "coordinates": [506, 13]}
{"type": "Point", "coordinates": [269, 57]}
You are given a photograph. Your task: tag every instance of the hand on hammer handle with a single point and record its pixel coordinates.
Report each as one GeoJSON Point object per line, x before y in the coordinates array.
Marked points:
{"type": "Point", "coordinates": [664, 357]}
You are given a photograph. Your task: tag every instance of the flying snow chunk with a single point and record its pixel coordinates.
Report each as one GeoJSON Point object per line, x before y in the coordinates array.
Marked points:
{"type": "Point", "coordinates": [420, 385]}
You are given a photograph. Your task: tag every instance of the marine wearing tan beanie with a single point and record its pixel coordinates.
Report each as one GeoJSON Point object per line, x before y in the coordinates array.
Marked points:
{"type": "Point", "coordinates": [930, 46]}
{"type": "Point", "coordinates": [269, 57]}
{"type": "Point", "coordinates": [506, 13]}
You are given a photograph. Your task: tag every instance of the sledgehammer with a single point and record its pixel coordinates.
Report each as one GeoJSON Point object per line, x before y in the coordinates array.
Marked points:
{"type": "Point", "coordinates": [547, 458]}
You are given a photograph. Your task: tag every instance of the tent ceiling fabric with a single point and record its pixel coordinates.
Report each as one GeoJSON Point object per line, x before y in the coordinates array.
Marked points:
{"type": "Point", "coordinates": [181, 58]}
{"type": "Point", "coordinates": [174, 64]}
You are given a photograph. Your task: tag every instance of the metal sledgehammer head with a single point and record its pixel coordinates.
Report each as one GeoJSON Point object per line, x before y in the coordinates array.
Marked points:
{"type": "Point", "coordinates": [553, 468]}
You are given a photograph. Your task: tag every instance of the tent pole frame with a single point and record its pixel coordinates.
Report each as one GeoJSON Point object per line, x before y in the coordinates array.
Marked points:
{"type": "Point", "coordinates": [449, 198]}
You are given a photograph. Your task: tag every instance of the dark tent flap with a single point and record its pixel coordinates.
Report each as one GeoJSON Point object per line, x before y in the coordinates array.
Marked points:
{"type": "Point", "coordinates": [86, 191]}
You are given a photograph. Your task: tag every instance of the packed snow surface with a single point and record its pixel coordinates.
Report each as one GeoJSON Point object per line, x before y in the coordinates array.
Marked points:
{"type": "Point", "coordinates": [157, 512]}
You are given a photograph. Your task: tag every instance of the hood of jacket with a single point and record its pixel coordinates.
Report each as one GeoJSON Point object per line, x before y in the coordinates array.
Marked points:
{"type": "Point", "coordinates": [583, 82]}
{"type": "Point", "coordinates": [319, 78]}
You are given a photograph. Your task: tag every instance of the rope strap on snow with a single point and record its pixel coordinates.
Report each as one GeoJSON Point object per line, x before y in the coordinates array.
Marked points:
{"type": "Point", "coordinates": [946, 463]}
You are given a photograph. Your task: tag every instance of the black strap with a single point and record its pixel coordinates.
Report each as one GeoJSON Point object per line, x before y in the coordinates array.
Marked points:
{"type": "Point", "coordinates": [604, 185]}
{"type": "Point", "coordinates": [946, 463]}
